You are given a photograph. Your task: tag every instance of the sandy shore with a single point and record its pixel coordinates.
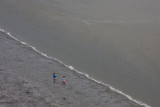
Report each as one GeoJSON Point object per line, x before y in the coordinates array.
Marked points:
{"type": "Point", "coordinates": [26, 81]}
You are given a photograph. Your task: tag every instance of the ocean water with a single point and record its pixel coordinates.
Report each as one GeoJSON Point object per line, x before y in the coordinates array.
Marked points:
{"type": "Point", "coordinates": [114, 41]}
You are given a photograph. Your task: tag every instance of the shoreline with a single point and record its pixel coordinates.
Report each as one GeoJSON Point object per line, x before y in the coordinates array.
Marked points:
{"type": "Point", "coordinates": [116, 97]}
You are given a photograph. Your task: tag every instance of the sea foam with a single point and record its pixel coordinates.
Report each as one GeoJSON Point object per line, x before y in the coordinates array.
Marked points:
{"type": "Point", "coordinates": [72, 68]}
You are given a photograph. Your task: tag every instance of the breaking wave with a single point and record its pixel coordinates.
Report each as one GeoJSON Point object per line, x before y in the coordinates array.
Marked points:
{"type": "Point", "coordinates": [72, 68]}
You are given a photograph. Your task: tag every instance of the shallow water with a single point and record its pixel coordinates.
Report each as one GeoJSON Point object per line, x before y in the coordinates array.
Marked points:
{"type": "Point", "coordinates": [112, 41]}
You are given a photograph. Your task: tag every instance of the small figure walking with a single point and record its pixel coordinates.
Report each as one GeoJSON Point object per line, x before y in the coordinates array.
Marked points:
{"type": "Point", "coordinates": [54, 77]}
{"type": "Point", "coordinates": [63, 80]}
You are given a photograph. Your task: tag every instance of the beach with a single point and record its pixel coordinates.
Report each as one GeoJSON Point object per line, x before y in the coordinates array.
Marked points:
{"type": "Point", "coordinates": [26, 81]}
{"type": "Point", "coordinates": [114, 43]}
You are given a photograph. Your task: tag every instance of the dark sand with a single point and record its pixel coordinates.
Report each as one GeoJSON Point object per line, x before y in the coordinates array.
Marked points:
{"type": "Point", "coordinates": [26, 81]}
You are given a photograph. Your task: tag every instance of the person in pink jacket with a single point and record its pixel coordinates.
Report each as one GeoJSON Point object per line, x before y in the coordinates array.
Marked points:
{"type": "Point", "coordinates": [63, 80]}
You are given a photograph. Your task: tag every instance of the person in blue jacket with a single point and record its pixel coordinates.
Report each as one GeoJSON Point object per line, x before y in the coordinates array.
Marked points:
{"type": "Point", "coordinates": [54, 77]}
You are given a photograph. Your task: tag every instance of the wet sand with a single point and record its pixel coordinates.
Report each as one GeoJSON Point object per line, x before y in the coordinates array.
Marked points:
{"type": "Point", "coordinates": [26, 81]}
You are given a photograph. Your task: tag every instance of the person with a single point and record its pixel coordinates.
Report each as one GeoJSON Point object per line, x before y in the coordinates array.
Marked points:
{"type": "Point", "coordinates": [54, 77]}
{"type": "Point", "coordinates": [63, 80]}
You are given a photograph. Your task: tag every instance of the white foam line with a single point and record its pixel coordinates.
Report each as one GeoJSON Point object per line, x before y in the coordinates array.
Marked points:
{"type": "Point", "coordinates": [72, 68]}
